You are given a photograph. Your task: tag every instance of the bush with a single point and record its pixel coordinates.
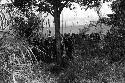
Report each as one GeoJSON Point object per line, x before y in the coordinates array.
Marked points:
{"type": "Point", "coordinates": [16, 63]}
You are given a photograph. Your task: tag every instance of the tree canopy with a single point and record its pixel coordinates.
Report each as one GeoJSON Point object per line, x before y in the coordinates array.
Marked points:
{"type": "Point", "coordinates": [117, 18]}
{"type": "Point", "coordinates": [54, 7]}
{"type": "Point", "coordinates": [48, 5]}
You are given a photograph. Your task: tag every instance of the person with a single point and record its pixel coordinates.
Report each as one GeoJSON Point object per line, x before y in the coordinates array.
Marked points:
{"type": "Point", "coordinates": [68, 47]}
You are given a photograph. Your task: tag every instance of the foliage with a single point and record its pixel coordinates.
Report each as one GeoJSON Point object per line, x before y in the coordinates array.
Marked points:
{"type": "Point", "coordinates": [117, 18]}
{"type": "Point", "coordinates": [24, 5]}
{"type": "Point", "coordinates": [10, 55]}
{"type": "Point", "coordinates": [89, 63]}
{"type": "Point", "coordinates": [94, 63]}
{"type": "Point", "coordinates": [4, 12]}
{"type": "Point", "coordinates": [54, 7]}
{"type": "Point", "coordinates": [105, 20]}
{"type": "Point", "coordinates": [48, 5]}
{"type": "Point", "coordinates": [16, 63]}
{"type": "Point", "coordinates": [26, 29]}
{"type": "Point", "coordinates": [89, 59]}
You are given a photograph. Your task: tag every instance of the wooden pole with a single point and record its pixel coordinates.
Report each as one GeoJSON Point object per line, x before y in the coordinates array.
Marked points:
{"type": "Point", "coordinates": [62, 23]}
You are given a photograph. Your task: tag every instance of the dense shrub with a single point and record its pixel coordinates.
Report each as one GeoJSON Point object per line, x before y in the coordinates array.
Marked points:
{"type": "Point", "coordinates": [115, 47]}
{"type": "Point", "coordinates": [80, 50]}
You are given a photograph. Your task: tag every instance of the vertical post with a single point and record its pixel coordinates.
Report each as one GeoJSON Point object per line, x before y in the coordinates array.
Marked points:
{"type": "Point", "coordinates": [62, 23]}
{"type": "Point", "coordinates": [65, 26]}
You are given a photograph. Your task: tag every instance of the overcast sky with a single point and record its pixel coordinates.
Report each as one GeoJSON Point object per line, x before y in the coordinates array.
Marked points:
{"type": "Point", "coordinates": [80, 17]}
{"type": "Point", "coordinates": [77, 16]}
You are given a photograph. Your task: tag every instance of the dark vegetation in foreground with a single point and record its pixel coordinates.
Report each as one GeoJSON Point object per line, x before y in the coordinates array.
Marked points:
{"type": "Point", "coordinates": [79, 48]}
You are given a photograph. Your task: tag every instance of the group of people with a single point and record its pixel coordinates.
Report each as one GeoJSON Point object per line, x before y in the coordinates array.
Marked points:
{"type": "Point", "coordinates": [47, 47]}
{"type": "Point", "coordinates": [45, 50]}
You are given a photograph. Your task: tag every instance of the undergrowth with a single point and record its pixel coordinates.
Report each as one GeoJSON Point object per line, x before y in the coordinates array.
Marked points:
{"type": "Point", "coordinates": [16, 66]}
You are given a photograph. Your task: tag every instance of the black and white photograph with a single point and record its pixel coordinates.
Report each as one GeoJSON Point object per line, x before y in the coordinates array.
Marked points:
{"type": "Point", "coordinates": [62, 41]}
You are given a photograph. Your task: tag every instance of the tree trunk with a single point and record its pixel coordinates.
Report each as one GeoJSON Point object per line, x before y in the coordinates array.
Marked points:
{"type": "Point", "coordinates": [57, 34]}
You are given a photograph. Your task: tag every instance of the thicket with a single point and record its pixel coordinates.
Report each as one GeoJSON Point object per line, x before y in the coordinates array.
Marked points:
{"type": "Point", "coordinates": [90, 59]}
{"type": "Point", "coordinates": [87, 56]}
{"type": "Point", "coordinates": [84, 57]}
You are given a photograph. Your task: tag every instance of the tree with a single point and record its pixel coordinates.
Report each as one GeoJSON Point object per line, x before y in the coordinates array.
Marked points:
{"type": "Point", "coordinates": [25, 29]}
{"type": "Point", "coordinates": [54, 7]}
{"type": "Point", "coordinates": [117, 20]}
{"type": "Point", "coordinates": [4, 13]}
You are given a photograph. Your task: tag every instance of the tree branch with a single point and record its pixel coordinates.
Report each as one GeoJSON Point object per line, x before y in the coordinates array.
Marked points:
{"type": "Point", "coordinates": [62, 6]}
{"type": "Point", "coordinates": [45, 7]}
{"type": "Point", "coordinates": [51, 12]}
